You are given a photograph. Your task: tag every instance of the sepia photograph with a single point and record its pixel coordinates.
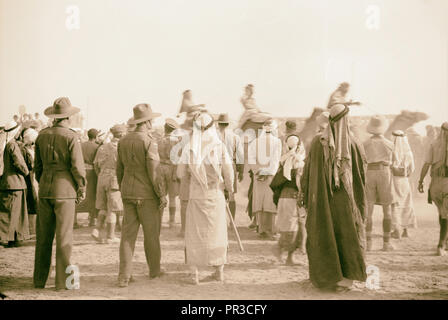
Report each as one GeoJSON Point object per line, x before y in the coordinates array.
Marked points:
{"type": "Point", "coordinates": [209, 151]}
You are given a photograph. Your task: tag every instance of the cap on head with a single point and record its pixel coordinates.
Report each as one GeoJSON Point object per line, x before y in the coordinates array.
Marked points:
{"type": "Point", "coordinates": [92, 133]}
{"type": "Point", "coordinates": [171, 124]}
{"type": "Point", "coordinates": [291, 125]}
{"type": "Point", "coordinates": [118, 129]}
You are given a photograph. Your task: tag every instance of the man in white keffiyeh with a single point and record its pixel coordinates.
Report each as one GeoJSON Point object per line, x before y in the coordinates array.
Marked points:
{"type": "Point", "coordinates": [211, 174]}
{"type": "Point", "coordinates": [403, 216]}
{"type": "Point", "coordinates": [290, 213]}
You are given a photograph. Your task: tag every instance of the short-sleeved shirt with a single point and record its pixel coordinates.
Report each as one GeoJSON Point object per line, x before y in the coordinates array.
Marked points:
{"type": "Point", "coordinates": [378, 149]}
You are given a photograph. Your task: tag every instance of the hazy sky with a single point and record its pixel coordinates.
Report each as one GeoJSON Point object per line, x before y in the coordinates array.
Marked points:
{"type": "Point", "coordinates": [295, 52]}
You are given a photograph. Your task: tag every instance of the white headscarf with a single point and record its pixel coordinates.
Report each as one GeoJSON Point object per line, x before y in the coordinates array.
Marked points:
{"type": "Point", "coordinates": [11, 134]}
{"type": "Point", "coordinates": [403, 156]}
{"type": "Point", "coordinates": [294, 158]}
{"type": "Point", "coordinates": [205, 147]}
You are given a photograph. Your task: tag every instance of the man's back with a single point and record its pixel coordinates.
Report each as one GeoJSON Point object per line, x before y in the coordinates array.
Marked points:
{"type": "Point", "coordinates": [89, 149]}
{"type": "Point", "coordinates": [135, 152]}
{"type": "Point", "coordinates": [378, 149]}
{"type": "Point", "coordinates": [59, 163]}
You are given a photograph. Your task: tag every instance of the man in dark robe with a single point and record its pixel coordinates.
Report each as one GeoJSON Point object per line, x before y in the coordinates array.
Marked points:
{"type": "Point", "coordinates": [333, 186]}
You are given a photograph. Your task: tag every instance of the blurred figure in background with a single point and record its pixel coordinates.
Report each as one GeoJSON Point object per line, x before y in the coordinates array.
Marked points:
{"type": "Point", "coordinates": [403, 216]}
{"type": "Point", "coordinates": [28, 138]}
{"type": "Point", "coordinates": [340, 96]}
{"type": "Point", "coordinates": [168, 168]}
{"type": "Point", "coordinates": [286, 187]}
{"type": "Point", "coordinates": [264, 155]}
{"type": "Point", "coordinates": [89, 150]}
{"type": "Point", "coordinates": [13, 209]}
{"type": "Point", "coordinates": [437, 161]}
{"type": "Point", "coordinates": [108, 196]}
{"type": "Point", "coordinates": [235, 149]}
{"type": "Point", "coordinates": [2, 147]}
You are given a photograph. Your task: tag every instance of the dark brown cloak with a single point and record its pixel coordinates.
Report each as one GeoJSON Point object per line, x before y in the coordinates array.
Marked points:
{"type": "Point", "coordinates": [335, 243]}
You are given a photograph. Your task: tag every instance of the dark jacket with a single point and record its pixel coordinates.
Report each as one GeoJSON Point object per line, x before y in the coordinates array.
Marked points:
{"type": "Point", "coordinates": [15, 168]}
{"type": "Point", "coordinates": [137, 163]}
{"type": "Point", "coordinates": [59, 164]}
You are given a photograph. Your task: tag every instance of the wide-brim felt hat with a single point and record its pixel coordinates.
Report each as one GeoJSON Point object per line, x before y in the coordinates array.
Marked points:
{"type": "Point", "coordinates": [119, 128]}
{"type": "Point", "coordinates": [61, 108]}
{"type": "Point", "coordinates": [377, 125]}
{"type": "Point", "coordinates": [223, 118]}
{"type": "Point", "coordinates": [143, 112]}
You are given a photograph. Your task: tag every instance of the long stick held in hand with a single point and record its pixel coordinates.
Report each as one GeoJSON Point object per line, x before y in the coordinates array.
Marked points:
{"type": "Point", "coordinates": [240, 244]}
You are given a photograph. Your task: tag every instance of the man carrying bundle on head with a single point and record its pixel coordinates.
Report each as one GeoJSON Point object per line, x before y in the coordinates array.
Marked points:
{"type": "Point", "coordinates": [334, 196]}
{"type": "Point", "coordinates": [379, 182]}
{"type": "Point", "coordinates": [168, 168]}
{"type": "Point", "coordinates": [437, 161]}
{"type": "Point", "coordinates": [108, 196]}
{"type": "Point", "coordinates": [339, 96]}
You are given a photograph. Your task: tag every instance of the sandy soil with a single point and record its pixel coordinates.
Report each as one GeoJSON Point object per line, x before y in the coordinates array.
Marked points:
{"type": "Point", "coordinates": [411, 272]}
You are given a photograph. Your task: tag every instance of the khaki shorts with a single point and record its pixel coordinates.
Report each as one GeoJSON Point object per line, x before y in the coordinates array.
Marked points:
{"type": "Point", "coordinates": [439, 195]}
{"type": "Point", "coordinates": [379, 186]}
{"type": "Point", "coordinates": [108, 195]}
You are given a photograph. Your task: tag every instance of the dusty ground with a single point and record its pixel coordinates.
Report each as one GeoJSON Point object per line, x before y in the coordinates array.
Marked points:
{"type": "Point", "coordinates": [411, 272]}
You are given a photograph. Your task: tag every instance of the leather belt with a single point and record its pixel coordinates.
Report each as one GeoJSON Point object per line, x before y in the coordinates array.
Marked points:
{"type": "Point", "coordinates": [88, 166]}
{"type": "Point", "coordinates": [376, 166]}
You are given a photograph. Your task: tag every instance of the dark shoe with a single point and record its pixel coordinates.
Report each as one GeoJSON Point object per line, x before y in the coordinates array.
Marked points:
{"type": "Point", "coordinates": [123, 283]}
{"type": "Point", "coordinates": [11, 244]}
{"type": "Point", "coordinates": [158, 275]}
{"type": "Point", "coordinates": [39, 286]}
{"type": "Point", "coordinates": [290, 260]}
{"type": "Point", "coordinates": [405, 233]}
{"type": "Point", "coordinates": [441, 251]}
{"type": "Point", "coordinates": [396, 234]}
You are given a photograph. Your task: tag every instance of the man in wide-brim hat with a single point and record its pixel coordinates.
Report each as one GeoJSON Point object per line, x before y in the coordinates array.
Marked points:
{"type": "Point", "coordinates": [379, 151]}
{"type": "Point", "coordinates": [60, 171]}
{"type": "Point", "coordinates": [235, 148]}
{"type": "Point", "coordinates": [143, 193]}
{"type": "Point", "coordinates": [168, 168]}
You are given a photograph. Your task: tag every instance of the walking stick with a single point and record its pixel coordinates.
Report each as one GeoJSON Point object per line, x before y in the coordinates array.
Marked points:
{"type": "Point", "coordinates": [240, 244]}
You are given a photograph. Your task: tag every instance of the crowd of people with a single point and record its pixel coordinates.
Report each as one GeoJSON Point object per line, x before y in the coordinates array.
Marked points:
{"type": "Point", "coordinates": [316, 200]}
